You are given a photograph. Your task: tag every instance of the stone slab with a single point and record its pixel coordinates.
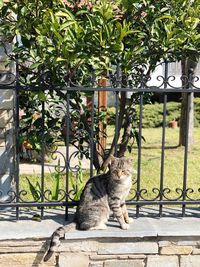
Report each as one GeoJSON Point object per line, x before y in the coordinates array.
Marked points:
{"type": "Point", "coordinates": [28, 229]}
{"type": "Point", "coordinates": [2, 142]}
{"type": "Point", "coordinates": [190, 261]}
{"type": "Point", "coordinates": [128, 248]}
{"type": "Point", "coordinates": [143, 227]}
{"type": "Point", "coordinates": [177, 226]}
{"type": "Point", "coordinates": [73, 260]}
{"type": "Point", "coordinates": [176, 250]}
{"type": "Point", "coordinates": [6, 160]}
{"type": "Point", "coordinates": [22, 259]}
{"type": "Point", "coordinates": [5, 186]}
{"type": "Point", "coordinates": [6, 99]}
{"type": "Point", "coordinates": [162, 261]}
{"type": "Point", "coordinates": [5, 118]}
{"type": "Point", "coordinates": [127, 263]}
{"type": "Point", "coordinates": [2, 132]}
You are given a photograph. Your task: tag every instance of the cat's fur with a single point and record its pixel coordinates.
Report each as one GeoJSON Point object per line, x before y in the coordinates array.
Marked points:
{"type": "Point", "coordinates": [102, 194]}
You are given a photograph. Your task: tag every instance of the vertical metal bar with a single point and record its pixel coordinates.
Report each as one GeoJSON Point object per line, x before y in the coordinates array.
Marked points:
{"type": "Point", "coordinates": [186, 157]}
{"type": "Point", "coordinates": [117, 107]}
{"type": "Point", "coordinates": [163, 139]}
{"type": "Point", "coordinates": [139, 156]}
{"type": "Point", "coordinates": [116, 119]}
{"type": "Point", "coordinates": [17, 128]}
{"type": "Point", "coordinates": [42, 158]}
{"type": "Point", "coordinates": [67, 153]}
{"type": "Point", "coordinates": [92, 136]}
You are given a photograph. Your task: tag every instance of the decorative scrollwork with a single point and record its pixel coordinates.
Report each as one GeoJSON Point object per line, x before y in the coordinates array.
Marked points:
{"type": "Point", "coordinates": [167, 191]}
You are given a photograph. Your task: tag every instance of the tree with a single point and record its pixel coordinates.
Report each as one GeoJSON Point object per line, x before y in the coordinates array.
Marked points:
{"type": "Point", "coordinates": [68, 42]}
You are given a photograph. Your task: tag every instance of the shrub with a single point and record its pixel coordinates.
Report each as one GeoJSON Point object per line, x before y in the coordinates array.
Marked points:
{"type": "Point", "coordinates": [153, 113]}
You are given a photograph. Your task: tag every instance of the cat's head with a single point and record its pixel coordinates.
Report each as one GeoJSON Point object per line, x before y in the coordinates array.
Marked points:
{"type": "Point", "coordinates": [121, 168]}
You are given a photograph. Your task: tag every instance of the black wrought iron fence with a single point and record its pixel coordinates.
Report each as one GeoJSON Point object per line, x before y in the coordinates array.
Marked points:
{"type": "Point", "coordinates": [68, 132]}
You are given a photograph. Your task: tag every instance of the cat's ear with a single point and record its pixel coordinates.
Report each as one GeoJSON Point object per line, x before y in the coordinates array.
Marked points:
{"type": "Point", "coordinates": [129, 160]}
{"type": "Point", "coordinates": [111, 159]}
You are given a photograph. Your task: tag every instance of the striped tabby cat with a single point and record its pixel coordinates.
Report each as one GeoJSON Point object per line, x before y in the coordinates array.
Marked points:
{"type": "Point", "coordinates": [102, 194]}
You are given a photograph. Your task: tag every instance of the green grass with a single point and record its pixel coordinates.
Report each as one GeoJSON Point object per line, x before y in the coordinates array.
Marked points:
{"type": "Point", "coordinates": [173, 162]}
{"type": "Point", "coordinates": [150, 165]}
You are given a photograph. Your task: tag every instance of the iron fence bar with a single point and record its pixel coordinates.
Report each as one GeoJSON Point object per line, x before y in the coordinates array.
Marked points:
{"type": "Point", "coordinates": [67, 123]}
{"type": "Point", "coordinates": [17, 129]}
{"type": "Point", "coordinates": [186, 155]}
{"type": "Point", "coordinates": [163, 138]}
{"type": "Point", "coordinates": [42, 158]}
{"type": "Point", "coordinates": [75, 203]}
{"type": "Point", "coordinates": [163, 152]}
{"type": "Point", "coordinates": [139, 155]}
{"type": "Point", "coordinates": [116, 120]}
{"type": "Point", "coordinates": [120, 89]}
{"type": "Point", "coordinates": [39, 204]}
{"type": "Point", "coordinates": [92, 136]}
{"type": "Point", "coordinates": [139, 145]}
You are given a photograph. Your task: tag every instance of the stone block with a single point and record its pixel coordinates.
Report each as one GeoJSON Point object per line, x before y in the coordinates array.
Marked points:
{"type": "Point", "coordinates": [128, 248]}
{"type": "Point", "coordinates": [96, 264]}
{"type": "Point", "coordinates": [22, 246]}
{"type": "Point", "coordinates": [73, 259]}
{"type": "Point", "coordinates": [79, 246]}
{"type": "Point", "coordinates": [2, 132]}
{"type": "Point", "coordinates": [124, 263]}
{"type": "Point", "coordinates": [164, 243]}
{"type": "Point", "coordinates": [118, 257]}
{"type": "Point", "coordinates": [5, 118]}
{"type": "Point", "coordinates": [190, 261]}
{"type": "Point", "coordinates": [176, 250]}
{"type": "Point", "coordinates": [23, 259]}
{"type": "Point", "coordinates": [2, 142]}
{"type": "Point", "coordinates": [196, 251]}
{"type": "Point", "coordinates": [6, 99]}
{"type": "Point", "coordinates": [6, 160]}
{"type": "Point", "coordinates": [5, 186]}
{"type": "Point", "coordinates": [162, 261]}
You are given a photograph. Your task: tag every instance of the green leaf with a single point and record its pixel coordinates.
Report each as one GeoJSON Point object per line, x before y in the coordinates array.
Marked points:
{"type": "Point", "coordinates": [42, 96]}
{"type": "Point", "coordinates": [34, 189]}
{"type": "Point", "coordinates": [35, 65]}
{"type": "Point", "coordinates": [66, 24]}
{"type": "Point", "coordinates": [1, 3]}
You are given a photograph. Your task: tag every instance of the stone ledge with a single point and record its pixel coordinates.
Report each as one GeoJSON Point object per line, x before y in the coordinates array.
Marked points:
{"type": "Point", "coordinates": [143, 228]}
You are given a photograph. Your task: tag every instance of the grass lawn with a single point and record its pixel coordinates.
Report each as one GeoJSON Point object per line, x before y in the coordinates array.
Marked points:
{"type": "Point", "coordinates": [173, 163]}
{"type": "Point", "coordinates": [150, 166]}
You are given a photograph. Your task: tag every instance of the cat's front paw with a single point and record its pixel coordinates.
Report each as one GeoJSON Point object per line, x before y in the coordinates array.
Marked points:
{"type": "Point", "coordinates": [130, 220]}
{"type": "Point", "coordinates": [125, 226]}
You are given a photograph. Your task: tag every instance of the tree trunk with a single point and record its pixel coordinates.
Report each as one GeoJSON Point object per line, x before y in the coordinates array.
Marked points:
{"type": "Point", "coordinates": [187, 104]}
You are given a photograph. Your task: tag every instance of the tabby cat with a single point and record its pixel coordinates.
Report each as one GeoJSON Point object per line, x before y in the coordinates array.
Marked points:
{"type": "Point", "coordinates": [102, 194]}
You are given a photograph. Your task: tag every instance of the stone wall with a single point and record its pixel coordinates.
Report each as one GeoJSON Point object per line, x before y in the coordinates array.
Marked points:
{"type": "Point", "coordinates": [110, 252]}
{"type": "Point", "coordinates": [6, 131]}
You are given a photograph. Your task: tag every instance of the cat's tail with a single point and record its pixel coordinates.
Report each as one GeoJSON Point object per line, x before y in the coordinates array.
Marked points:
{"type": "Point", "coordinates": [56, 237]}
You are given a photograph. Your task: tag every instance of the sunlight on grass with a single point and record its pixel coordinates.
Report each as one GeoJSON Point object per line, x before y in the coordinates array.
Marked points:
{"type": "Point", "coordinates": [150, 165]}
{"type": "Point", "coordinates": [173, 162]}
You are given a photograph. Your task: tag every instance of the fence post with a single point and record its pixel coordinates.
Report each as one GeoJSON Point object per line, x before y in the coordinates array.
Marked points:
{"type": "Point", "coordinates": [6, 126]}
{"type": "Point", "coordinates": [102, 106]}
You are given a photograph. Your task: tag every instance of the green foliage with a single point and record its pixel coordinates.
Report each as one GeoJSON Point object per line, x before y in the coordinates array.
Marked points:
{"type": "Point", "coordinates": [153, 114]}
{"type": "Point", "coordinates": [60, 43]}
{"type": "Point", "coordinates": [35, 189]}
{"type": "Point", "coordinates": [54, 191]}
{"type": "Point", "coordinates": [78, 183]}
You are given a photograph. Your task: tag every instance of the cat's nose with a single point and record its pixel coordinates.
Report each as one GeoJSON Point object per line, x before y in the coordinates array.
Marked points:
{"type": "Point", "coordinates": [119, 173]}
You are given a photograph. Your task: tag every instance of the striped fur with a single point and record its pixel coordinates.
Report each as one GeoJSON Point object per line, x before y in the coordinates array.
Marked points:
{"type": "Point", "coordinates": [102, 194]}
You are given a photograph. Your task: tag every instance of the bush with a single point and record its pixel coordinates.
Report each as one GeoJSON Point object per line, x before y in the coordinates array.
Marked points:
{"type": "Point", "coordinates": [153, 113]}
